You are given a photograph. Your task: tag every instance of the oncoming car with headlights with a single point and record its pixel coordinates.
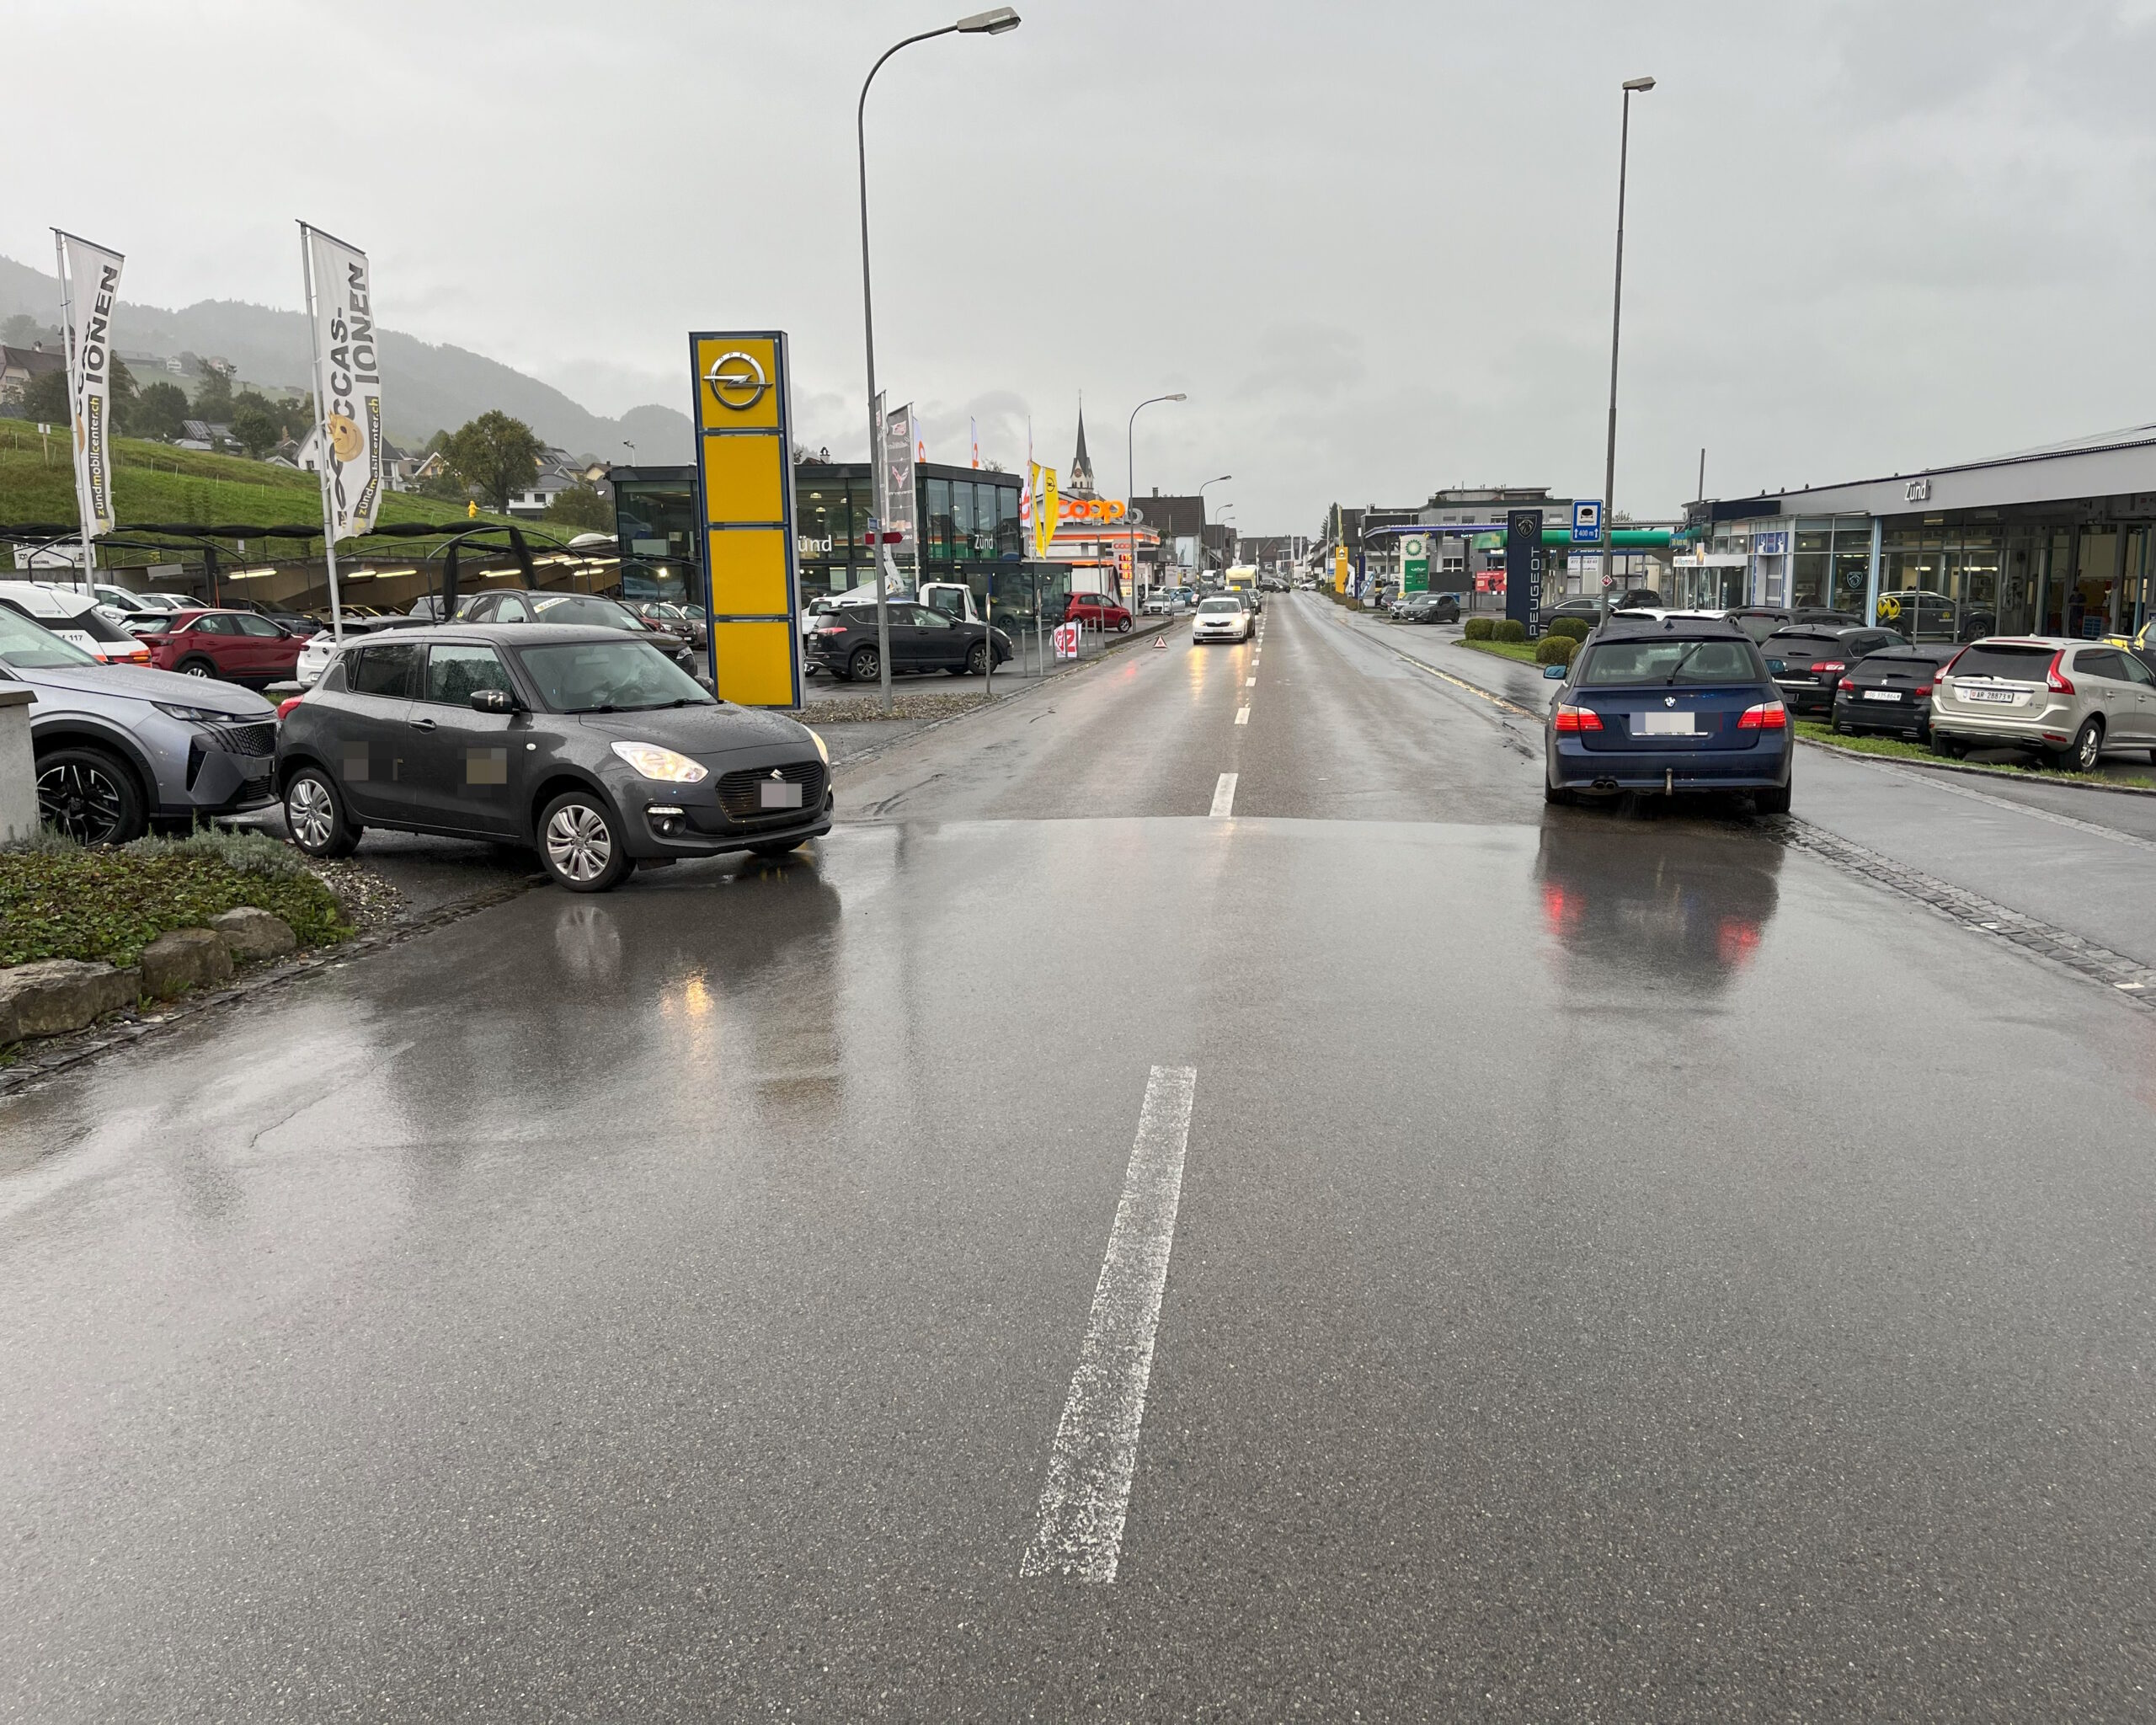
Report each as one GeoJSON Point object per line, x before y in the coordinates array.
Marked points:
{"type": "Point", "coordinates": [593, 748]}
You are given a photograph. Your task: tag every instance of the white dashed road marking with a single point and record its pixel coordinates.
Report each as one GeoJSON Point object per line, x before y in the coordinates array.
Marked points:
{"type": "Point", "coordinates": [1250, 682]}
{"type": "Point", "coordinates": [1223, 796]}
{"type": "Point", "coordinates": [1242, 715]}
{"type": "Point", "coordinates": [1089, 1471]}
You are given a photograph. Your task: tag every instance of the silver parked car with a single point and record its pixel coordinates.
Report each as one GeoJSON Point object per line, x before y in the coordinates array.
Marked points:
{"type": "Point", "coordinates": [119, 745]}
{"type": "Point", "coordinates": [2072, 700]}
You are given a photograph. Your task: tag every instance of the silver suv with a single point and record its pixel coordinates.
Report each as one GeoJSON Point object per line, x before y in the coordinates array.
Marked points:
{"type": "Point", "coordinates": [119, 746]}
{"type": "Point", "coordinates": [2073, 701]}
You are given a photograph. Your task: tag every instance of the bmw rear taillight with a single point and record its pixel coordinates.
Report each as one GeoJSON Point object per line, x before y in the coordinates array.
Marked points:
{"type": "Point", "coordinates": [1578, 718]}
{"type": "Point", "coordinates": [1767, 716]}
{"type": "Point", "coordinates": [2059, 682]}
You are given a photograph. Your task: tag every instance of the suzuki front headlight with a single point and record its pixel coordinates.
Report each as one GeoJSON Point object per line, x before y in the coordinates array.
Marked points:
{"type": "Point", "coordinates": [819, 742]}
{"type": "Point", "coordinates": [650, 760]}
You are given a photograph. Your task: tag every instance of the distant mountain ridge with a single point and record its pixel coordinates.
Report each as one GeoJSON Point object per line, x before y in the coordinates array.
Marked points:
{"type": "Point", "coordinates": [426, 387]}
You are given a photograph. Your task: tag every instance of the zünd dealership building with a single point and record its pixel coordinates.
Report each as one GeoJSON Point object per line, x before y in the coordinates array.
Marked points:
{"type": "Point", "coordinates": [2052, 540]}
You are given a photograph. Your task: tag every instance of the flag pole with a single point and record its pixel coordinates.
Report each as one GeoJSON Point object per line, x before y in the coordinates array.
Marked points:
{"type": "Point", "coordinates": [323, 452]}
{"type": "Point", "coordinates": [74, 398]}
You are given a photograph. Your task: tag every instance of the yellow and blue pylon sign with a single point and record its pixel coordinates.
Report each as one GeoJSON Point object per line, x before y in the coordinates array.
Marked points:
{"type": "Point", "coordinates": [745, 499]}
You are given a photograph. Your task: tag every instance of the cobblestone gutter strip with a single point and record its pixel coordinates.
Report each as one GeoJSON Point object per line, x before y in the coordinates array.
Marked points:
{"type": "Point", "coordinates": [124, 1030]}
{"type": "Point", "coordinates": [2126, 977]}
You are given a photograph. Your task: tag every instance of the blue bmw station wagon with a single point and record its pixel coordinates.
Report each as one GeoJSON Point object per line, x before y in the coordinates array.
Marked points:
{"type": "Point", "coordinates": [1673, 703]}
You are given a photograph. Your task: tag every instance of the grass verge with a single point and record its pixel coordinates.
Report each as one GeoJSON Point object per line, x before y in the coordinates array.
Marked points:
{"type": "Point", "coordinates": [1898, 748]}
{"type": "Point", "coordinates": [1523, 651]}
{"type": "Point", "coordinates": [60, 901]}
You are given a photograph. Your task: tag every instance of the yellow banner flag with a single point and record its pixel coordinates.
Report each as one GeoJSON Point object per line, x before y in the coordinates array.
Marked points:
{"type": "Point", "coordinates": [1044, 511]}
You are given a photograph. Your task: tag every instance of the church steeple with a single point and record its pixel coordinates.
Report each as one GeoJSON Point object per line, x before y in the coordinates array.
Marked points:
{"type": "Point", "coordinates": [1082, 464]}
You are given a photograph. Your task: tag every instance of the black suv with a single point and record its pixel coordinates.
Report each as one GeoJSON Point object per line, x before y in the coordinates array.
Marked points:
{"type": "Point", "coordinates": [589, 745]}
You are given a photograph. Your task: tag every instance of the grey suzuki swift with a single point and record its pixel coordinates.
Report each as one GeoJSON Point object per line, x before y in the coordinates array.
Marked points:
{"type": "Point", "coordinates": [593, 748]}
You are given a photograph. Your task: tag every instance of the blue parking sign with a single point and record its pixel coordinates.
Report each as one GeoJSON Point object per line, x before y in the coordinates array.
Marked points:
{"type": "Point", "coordinates": [1587, 522]}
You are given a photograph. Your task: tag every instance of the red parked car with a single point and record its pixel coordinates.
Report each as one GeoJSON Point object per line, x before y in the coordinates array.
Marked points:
{"type": "Point", "coordinates": [236, 645]}
{"type": "Point", "coordinates": [1097, 611]}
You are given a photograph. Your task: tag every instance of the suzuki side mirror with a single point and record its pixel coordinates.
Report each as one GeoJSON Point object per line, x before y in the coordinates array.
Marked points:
{"type": "Point", "coordinates": [498, 701]}
{"type": "Point", "coordinates": [1553, 673]}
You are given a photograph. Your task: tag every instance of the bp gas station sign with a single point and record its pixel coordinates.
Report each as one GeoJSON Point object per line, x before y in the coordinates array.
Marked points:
{"type": "Point", "coordinates": [1414, 563]}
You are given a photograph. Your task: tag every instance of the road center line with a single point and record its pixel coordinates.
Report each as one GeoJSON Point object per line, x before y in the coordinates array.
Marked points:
{"type": "Point", "coordinates": [1095, 1453]}
{"type": "Point", "coordinates": [1250, 682]}
{"type": "Point", "coordinates": [1242, 715]}
{"type": "Point", "coordinates": [1223, 796]}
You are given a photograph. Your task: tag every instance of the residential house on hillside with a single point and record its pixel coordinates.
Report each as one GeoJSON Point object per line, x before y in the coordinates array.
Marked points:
{"type": "Point", "coordinates": [400, 470]}
{"type": "Point", "coordinates": [19, 365]}
{"type": "Point", "coordinates": [558, 471]}
{"type": "Point", "coordinates": [201, 434]}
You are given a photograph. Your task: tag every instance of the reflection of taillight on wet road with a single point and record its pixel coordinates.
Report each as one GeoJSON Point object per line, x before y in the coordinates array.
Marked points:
{"type": "Point", "coordinates": [1560, 909]}
{"type": "Point", "coordinates": [1736, 940]}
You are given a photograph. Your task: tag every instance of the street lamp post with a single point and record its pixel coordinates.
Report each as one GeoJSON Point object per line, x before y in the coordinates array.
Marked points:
{"type": "Point", "coordinates": [994, 22]}
{"type": "Point", "coordinates": [1633, 86]}
{"type": "Point", "coordinates": [1131, 479]}
{"type": "Point", "coordinates": [1218, 480]}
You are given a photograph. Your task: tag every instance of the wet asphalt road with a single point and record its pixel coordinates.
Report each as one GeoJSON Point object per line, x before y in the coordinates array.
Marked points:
{"type": "Point", "coordinates": [1625, 1269]}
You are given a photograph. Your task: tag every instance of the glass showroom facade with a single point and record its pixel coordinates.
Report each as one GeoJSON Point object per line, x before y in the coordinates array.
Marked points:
{"type": "Point", "coordinates": [968, 516]}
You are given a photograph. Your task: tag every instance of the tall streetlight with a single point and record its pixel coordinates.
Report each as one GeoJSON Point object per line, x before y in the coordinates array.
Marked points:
{"type": "Point", "coordinates": [1130, 478]}
{"type": "Point", "coordinates": [1221, 479]}
{"type": "Point", "coordinates": [994, 22]}
{"type": "Point", "coordinates": [1639, 87]}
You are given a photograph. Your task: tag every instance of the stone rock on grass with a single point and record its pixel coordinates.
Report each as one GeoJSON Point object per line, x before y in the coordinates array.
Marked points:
{"type": "Point", "coordinates": [248, 933]}
{"type": "Point", "coordinates": [56, 996]}
{"type": "Point", "coordinates": [186, 957]}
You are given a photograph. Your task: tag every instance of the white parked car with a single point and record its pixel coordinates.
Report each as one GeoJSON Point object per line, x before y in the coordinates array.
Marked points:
{"type": "Point", "coordinates": [76, 618]}
{"type": "Point", "coordinates": [1221, 618]}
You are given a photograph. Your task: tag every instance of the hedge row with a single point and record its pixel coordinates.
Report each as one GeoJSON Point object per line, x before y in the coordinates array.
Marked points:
{"type": "Point", "coordinates": [1478, 628]}
{"type": "Point", "coordinates": [1554, 648]}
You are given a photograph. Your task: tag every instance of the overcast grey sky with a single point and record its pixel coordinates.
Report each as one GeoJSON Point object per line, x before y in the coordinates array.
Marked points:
{"type": "Point", "coordinates": [1372, 241]}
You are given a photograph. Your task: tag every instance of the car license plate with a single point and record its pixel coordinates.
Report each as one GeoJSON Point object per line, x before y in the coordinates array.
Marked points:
{"type": "Point", "coordinates": [1882, 694]}
{"type": "Point", "coordinates": [1661, 724]}
{"type": "Point", "coordinates": [1999, 695]}
{"type": "Point", "coordinates": [776, 794]}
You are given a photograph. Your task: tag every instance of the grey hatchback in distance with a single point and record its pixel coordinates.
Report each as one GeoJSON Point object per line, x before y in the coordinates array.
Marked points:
{"type": "Point", "coordinates": [593, 748]}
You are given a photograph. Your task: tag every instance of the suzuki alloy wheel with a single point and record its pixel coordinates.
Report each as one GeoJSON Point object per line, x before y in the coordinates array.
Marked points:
{"type": "Point", "coordinates": [579, 845]}
{"type": "Point", "coordinates": [315, 815]}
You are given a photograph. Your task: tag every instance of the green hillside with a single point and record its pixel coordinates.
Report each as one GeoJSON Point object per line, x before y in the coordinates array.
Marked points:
{"type": "Point", "coordinates": [152, 482]}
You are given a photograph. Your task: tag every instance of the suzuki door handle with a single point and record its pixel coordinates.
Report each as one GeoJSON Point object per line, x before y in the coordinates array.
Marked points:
{"type": "Point", "coordinates": [423, 724]}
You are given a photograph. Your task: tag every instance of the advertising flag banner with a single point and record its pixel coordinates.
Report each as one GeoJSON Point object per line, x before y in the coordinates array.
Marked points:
{"type": "Point", "coordinates": [89, 283]}
{"type": "Point", "coordinates": [347, 383]}
{"type": "Point", "coordinates": [899, 491]}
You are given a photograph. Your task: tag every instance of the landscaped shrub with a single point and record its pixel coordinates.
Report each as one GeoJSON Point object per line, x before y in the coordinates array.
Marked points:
{"type": "Point", "coordinates": [1575, 627]}
{"type": "Point", "coordinates": [1478, 628]}
{"type": "Point", "coordinates": [1510, 629]}
{"type": "Point", "coordinates": [1554, 648]}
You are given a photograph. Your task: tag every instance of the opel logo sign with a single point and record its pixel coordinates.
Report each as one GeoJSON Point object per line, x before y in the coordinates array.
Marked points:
{"type": "Point", "coordinates": [737, 381]}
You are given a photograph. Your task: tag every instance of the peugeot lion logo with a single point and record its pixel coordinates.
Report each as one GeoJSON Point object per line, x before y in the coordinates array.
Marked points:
{"type": "Point", "coordinates": [737, 381]}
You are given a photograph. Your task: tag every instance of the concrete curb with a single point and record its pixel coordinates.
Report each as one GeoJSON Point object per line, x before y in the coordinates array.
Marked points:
{"type": "Point", "coordinates": [60, 1053]}
{"type": "Point", "coordinates": [1121, 644]}
{"type": "Point", "coordinates": [2005, 774]}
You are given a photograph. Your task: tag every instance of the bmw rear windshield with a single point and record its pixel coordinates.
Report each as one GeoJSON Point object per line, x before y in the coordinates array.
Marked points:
{"type": "Point", "coordinates": [1662, 660]}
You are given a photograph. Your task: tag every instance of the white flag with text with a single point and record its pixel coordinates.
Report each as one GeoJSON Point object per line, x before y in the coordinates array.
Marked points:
{"type": "Point", "coordinates": [347, 383]}
{"type": "Point", "coordinates": [89, 284]}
